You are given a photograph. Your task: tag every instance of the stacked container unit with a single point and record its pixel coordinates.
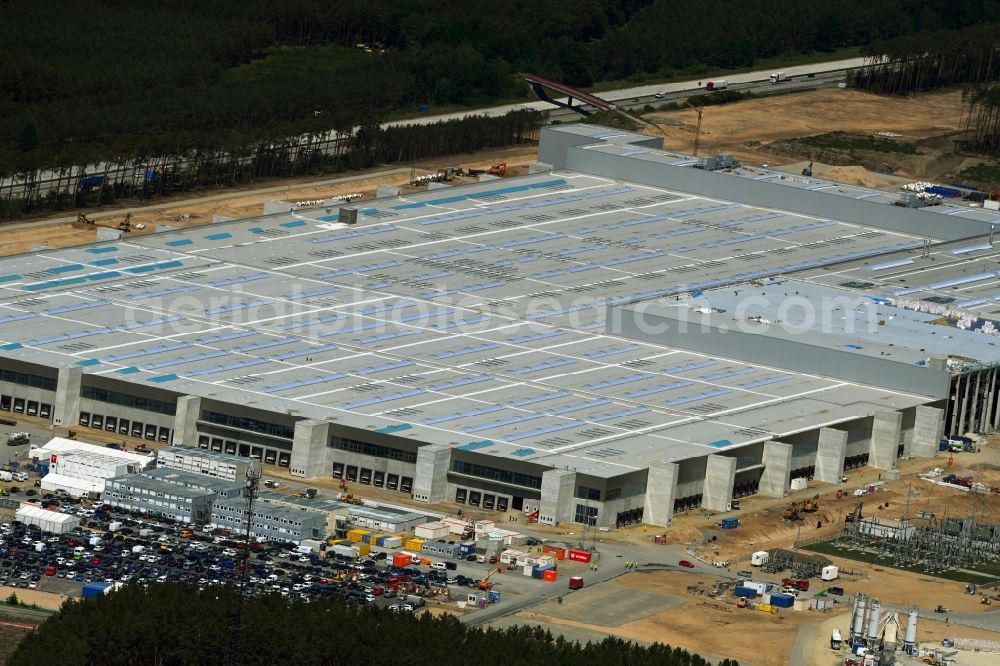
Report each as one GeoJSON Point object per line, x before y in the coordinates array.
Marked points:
{"type": "Point", "coordinates": [440, 549]}
{"type": "Point", "coordinates": [782, 600]}
{"type": "Point", "coordinates": [467, 548]}
{"type": "Point", "coordinates": [456, 526]}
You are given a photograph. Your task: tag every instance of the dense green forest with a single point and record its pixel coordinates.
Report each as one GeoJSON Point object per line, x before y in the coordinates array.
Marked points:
{"type": "Point", "coordinates": [126, 82]}
{"type": "Point", "coordinates": [173, 624]}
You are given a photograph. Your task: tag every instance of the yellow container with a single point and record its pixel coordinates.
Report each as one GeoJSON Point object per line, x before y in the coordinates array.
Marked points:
{"type": "Point", "coordinates": [363, 549]}
{"type": "Point", "coordinates": [767, 608]}
{"type": "Point", "coordinates": [413, 545]}
{"type": "Point", "coordinates": [357, 534]}
{"type": "Point", "coordinates": [373, 538]}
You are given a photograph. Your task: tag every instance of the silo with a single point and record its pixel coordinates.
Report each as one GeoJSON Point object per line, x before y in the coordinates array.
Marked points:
{"type": "Point", "coordinates": [910, 638]}
{"type": "Point", "coordinates": [874, 616]}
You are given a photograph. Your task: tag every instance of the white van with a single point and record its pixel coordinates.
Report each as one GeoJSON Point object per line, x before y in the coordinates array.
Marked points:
{"type": "Point", "coordinates": [440, 566]}
{"type": "Point", "coordinates": [20, 476]}
{"type": "Point", "coordinates": [6, 476]}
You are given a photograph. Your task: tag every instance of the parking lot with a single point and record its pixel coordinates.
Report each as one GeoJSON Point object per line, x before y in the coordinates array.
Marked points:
{"type": "Point", "coordinates": [146, 552]}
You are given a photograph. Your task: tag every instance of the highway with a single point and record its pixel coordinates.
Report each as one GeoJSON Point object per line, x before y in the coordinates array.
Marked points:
{"type": "Point", "coordinates": [823, 74]}
{"type": "Point", "coordinates": [624, 97]}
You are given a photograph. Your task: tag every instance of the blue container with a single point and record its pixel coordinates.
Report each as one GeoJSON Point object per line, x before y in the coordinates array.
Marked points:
{"type": "Point", "coordinates": [423, 108]}
{"type": "Point", "coordinates": [91, 181]}
{"type": "Point", "coordinates": [746, 592]}
{"type": "Point", "coordinates": [783, 600]}
{"type": "Point", "coordinates": [730, 523]}
{"type": "Point", "coordinates": [43, 468]}
{"type": "Point", "coordinates": [92, 590]}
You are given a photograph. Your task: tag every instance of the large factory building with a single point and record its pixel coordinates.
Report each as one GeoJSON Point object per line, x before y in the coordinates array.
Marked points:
{"type": "Point", "coordinates": [623, 333]}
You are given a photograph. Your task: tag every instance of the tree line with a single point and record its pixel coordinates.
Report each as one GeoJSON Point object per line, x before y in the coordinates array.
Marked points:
{"type": "Point", "coordinates": [172, 624]}
{"type": "Point", "coordinates": [121, 82]}
{"type": "Point", "coordinates": [981, 119]}
{"type": "Point", "coordinates": [313, 154]}
{"type": "Point", "coordinates": [931, 60]}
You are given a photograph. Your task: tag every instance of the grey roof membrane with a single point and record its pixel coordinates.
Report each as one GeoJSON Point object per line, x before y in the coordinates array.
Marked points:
{"type": "Point", "coordinates": [469, 316]}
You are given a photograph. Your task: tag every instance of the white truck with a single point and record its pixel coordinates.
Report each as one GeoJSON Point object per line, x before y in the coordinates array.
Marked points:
{"type": "Point", "coordinates": [6, 476]}
{"type": "Point", "coordinates": [717, 84]}
{"type": "Point", "coordinates": [778, 77]}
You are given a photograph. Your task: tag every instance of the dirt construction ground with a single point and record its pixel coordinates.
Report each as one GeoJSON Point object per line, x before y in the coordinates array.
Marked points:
{"type": "Point", "coordinates": [748, 129]}
{"type": "Point", "coordinates": [199, 208]}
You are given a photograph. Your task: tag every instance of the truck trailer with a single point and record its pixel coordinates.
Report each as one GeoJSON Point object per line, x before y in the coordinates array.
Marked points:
{"type": "Point", "coordinates": [717, 84]}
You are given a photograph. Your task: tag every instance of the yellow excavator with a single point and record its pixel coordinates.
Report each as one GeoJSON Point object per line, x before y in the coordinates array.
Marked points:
{"type": "Point", "coordinates": [792, 512]}
{"type": "Point", "coordinates": [811, 505]}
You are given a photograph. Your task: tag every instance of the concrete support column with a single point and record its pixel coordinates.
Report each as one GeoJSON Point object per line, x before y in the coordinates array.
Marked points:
{"type": "Point", "coordinates": [777, 461]}
{"type": "Point", "coordinates": [309, 449]}
{"type": "Point", "coordinates": [964, 383]}
{"type": "Point", "coordinates": [66, 411]}
{"type": "Point", "coordinates": [975, 424]}
{"type": "Point", "coordinates": [885, 440]}
{"type": "Point", "coordinates": [430, 484]}
{"type": "Point", "coordinates": [989, 421]}
{"type": "Point", "coordinates": [720, 474]}
{"type": "Point", "coordinates": [928, 429]}
{"type": "Point", "coordinates": [830, 454]}
{"type": "Point", "coordinates": [661, 490]}
{"type": "Point", "coordinates": [556, 504]}
{"type": "Point", "coordinates": [186, 420]}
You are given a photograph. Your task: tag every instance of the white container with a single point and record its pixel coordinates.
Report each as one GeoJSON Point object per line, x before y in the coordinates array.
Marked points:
{"type": "Point", "coordinates": [800, 483]}
{"type": "Point", "coordinates": [759, 558]}
{"type": "Point", "coordinates": [830, 573]}
{"type": "Point", "coordinates": [527, 569]}
{"type": "Point", "coordinates": [431, 531]}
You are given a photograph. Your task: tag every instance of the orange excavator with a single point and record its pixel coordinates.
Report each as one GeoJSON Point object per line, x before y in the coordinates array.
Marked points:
{"type": "Point", "coordinates": [498, 169]}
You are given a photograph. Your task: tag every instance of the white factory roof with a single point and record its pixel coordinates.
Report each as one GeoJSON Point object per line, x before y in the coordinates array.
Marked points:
{"type": "Point", "coordinates": [470, 317]}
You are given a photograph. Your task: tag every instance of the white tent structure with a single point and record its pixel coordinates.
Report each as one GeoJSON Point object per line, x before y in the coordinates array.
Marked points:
{"type": "Point", "coordinates": [49, 521]}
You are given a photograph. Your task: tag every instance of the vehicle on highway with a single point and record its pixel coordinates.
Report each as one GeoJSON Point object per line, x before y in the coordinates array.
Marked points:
{"type": "Point", "coordinates": [658, 95]}
{"type": "Point", "coordinates": [686, 563]}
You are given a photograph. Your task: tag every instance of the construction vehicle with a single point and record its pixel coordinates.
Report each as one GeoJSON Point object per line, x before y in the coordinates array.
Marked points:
{"type": "Point", "coordinates": [83, 219]}
{"type": "Point", "coordinates": [126, 224]}
{"type": "Point", "coordinates": [941, 609]}
{"type": "Point", "coordinates": [792, 512]}
{"type": "Point", "coordinates": [811, 505]}
{"type": "Point", "coordinates": [796, 583]}
{"type": "Point", "coordinates": [741, 602]}
{"type": "Point", "coordinates": [533, 516]}
{"type": "Point", "coordinates": [498, 170]}
{"type": "Point", "coordinates": [485, 583]}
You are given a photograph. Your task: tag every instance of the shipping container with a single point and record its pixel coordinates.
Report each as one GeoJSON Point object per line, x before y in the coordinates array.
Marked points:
{"type": "Point", "coordinates": [558, 553]}
{"type": "Point", "coordinates": [550, 575]}
{"type": "Point", "coordinates": [745, 592]}
{"type": "Point", "coordinates": [528, 569]}
{"type": "Point", "coordinates": [402, 560]}
{"type": "Point", "coordinates": [575, 583]}
{"type": "Point", "coordinates": [730, 523]}
{"type": "Point", "coordinates": [432, 531]}
{"type": "Point", "coordinates": [783, 600]}
{"type": "Point", "coordinates": [357, 534]}
{"type": "Point", "coordinates": [579, 555]}
{"type": "Point", "coordinates": [759, 558]}
{"type": "Point", "coordinates": [413, 544]}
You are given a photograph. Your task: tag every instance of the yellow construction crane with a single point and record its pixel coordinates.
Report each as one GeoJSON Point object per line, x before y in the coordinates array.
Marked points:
{"type": "Point", "coordinates": [697, 130]}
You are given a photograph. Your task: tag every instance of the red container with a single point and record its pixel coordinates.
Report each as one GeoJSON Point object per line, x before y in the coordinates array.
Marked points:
{"type": "Point", "coordinates": [560, 553]}
{"type": "Point", "coordinates": [550, 575]}
{"type": "Point", "coordinates": [575, 583]}
{"type": "Point", "coordinates": [402, 560]}
{"type": "Point", "coordinates": [579, 555]}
